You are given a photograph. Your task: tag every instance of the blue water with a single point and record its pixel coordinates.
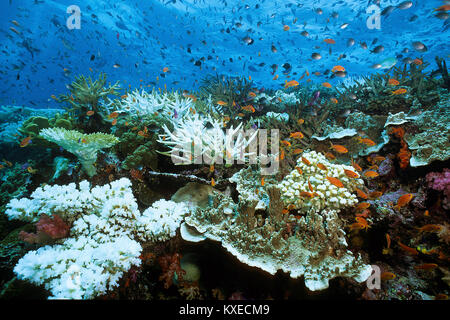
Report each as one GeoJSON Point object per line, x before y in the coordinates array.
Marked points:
{"type": "Point", "coordinates": [132, 41]}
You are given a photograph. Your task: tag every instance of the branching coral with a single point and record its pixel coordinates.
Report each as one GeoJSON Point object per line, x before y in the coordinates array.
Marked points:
{"type": "Point", "coordinates": [201, 138]}
{"type": "Point", "coordinates": [87, 95]}
{"type": "Point", "coordinates": [83, 146]}
{"type": "Point", "coordinates": [106, 226]}
{"type": "Point", "coordinates": [310, 187]}
{"type": "Point", "coordinates": [172, 106]}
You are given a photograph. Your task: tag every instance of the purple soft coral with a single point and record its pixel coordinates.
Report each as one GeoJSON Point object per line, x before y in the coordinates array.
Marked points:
{"type": "Point", "coordinates": [440, 181]}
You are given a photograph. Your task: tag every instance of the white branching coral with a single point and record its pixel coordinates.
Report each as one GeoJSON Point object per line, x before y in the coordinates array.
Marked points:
{"type": "Point", "coordinates": [309, 186]}
{"type": "Point", "coordinates": [84, 146]}
{"type": "Point", "coordinates": [107, 227]}
{"type": "Point", "coordinates": [173, 106]}
{"type": "Point", "coordinates": [202, 139]}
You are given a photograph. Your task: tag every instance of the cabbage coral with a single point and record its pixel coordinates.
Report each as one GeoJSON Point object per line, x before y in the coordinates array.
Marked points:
{"type": "Point", "coordinates": [205, 138]}
{"type": "Point", "coordinates": [83, 146]}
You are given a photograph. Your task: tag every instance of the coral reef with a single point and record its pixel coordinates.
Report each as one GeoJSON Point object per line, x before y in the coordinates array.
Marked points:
{"type": "Point", "coordinates": [312, 245]}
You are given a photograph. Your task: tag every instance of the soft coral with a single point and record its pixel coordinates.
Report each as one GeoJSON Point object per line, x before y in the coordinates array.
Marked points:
{"type": "Point", "coordinates": [404, 154]}
{"type": "Point", "coordinates": [169, 265]}
{"type": "Point", "coordinates": [46, 229]}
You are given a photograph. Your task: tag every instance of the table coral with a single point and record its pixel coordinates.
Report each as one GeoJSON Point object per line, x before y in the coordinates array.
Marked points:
{"type": "Point", "coordinates": [313, 245]}
{"type": "Point", "coordinates": [84, 146]}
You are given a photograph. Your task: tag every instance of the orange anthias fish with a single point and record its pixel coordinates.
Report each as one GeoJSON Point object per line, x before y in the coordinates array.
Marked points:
{"type": "Point", "coordinates": [393, 82]}
{"type": "Point", "coordinates": [321, 166]}
{"type": "Point", "coordinates": [367, 141]}
{"type": "Point", "coordinates": [296, 135]}
{"type": "Point", "coordinates": [327, 85]}
{"type": "Point", "coordinates": [330, 156]}
{"type": "Point", "coordinates": [351, 174]}
{"type": "Point", "coordinates": [306, 161]}
{"type": "Point", "coordinates": [362, 206]}
{"type": "Point", "coordinates": [430, 228]}
{"type": "Point", "coordinates": [387, 276]}
{"type": "Point", "coordinates": [339, 148]}
{"type": "Point", "coordinates": [399, 91]}
{"type": "Point", "coordinates": [371, 174]}
{"type": "Point", "coordinates": [338, 68]}
{"type": "Point", "coordinates": [275, 78]}
{"type": "Point", "coordinates": [356, 166]}
{"type": "Point", "coordinates": [404, 200]}
{"type": "Point", "coordinates": [361, 194]}
{"type": "Point", "coordinates": [286, 27]}
{"type": "Point", "coordinates": [329, 41]}
{"type": "Point", "coordinates": [221, 103]}
{"type": "Point", "coordinates": [113, 115]}
{"type": "Point", "coordinates": [286, 143]}
{"type": "Point", "coordinates": [165, 69]}
{"type": "Point", "coordinates": [310, 186]}
{"type": "Point", "coordinates": [417, 62]}
{"type": "Point", "coordinates": [26, 141]}
{"type": "Point", "coordinates": [335, 182]}
{"type": "Point", "coordinates": [334, 100]}
{"type": "Point", "coordinates": [252, 94]}
{"type": "Point", "coordinates": [306, 194]}
{"type": "Point", "coordinates": [426, 266]}
{"type": "Point", "coordinates": [297, 151]}
{"type": "Point", "coordinates": [388, 242]}
{"type": "Point", "coordinates": [249, 108]}
{"type": "Point", "coordinates": [292, 83]}
{"type": "Point", "coordinates": [90, 113]}
{"type": "Point", "coordinates": [408, 249]}
{"type": "Point", "coordinates": [300, 121]}
{"type": "Point", "coordinates": [375, 195]}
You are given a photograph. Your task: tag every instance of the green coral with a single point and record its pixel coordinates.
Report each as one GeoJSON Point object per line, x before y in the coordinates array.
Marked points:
{"type": "Point", "coordinates": [33, 125]}
{"type": "Point", "coordinates": [85, 95]}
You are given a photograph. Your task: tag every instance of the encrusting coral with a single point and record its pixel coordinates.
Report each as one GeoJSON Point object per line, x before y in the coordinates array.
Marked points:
{"type": "Point", "coordinates": [84, 146]}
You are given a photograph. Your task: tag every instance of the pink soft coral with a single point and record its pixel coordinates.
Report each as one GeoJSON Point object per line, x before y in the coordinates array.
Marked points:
{"type": "Point", "coordinates": [47, 229]}
{"type": "Point", "coordinates": [169, 265]}
{"type": "Point", "coordinates": [440, 181]}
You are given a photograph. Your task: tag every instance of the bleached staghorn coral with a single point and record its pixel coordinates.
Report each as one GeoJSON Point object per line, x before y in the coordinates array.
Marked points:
{"type": "Point", "coordinates": [325, 194]}
{"type": "Point", "coordinates": [313, 246]}
{"type": "Point", "coordinates": [84, 146]}
{"type": "Point", "coordinates": [107, 227]}
{"type": "Point", "coordinates": [198, 137]}
{"type": "Point", "coordinates": [172, 106]}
